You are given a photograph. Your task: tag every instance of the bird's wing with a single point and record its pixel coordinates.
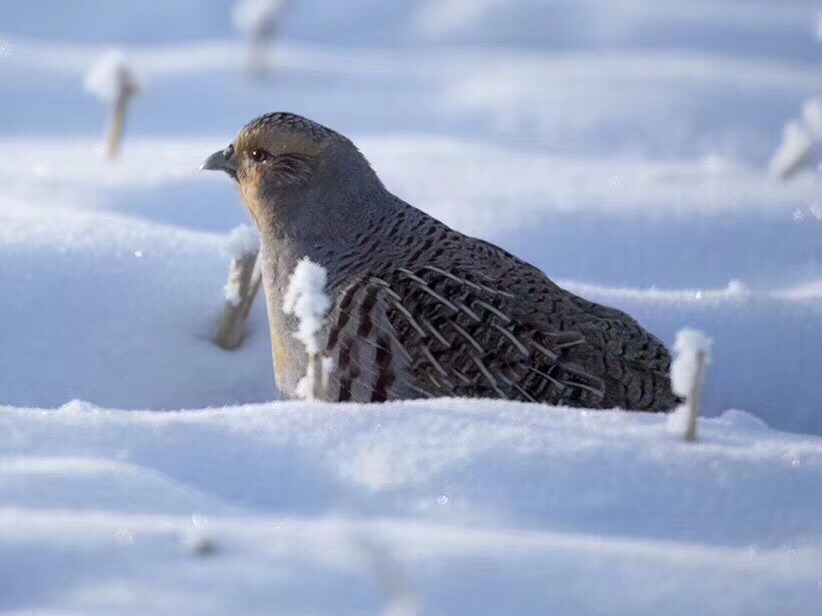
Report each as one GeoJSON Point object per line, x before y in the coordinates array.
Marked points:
{"type": "Point", "coordinates": [443, 332]}
{"type": "Point", "coordinates": [625, 337]}
{"type": "Point", "coordinates": [370, 363]}
{"type": "Point", "coordinates": [613, 331]}
{"type": "Point", "coordinates": [632, 363]}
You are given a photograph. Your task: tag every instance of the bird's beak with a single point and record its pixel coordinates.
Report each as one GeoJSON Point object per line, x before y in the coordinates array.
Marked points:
{"type": "Point", "coordinates": [221, 161]}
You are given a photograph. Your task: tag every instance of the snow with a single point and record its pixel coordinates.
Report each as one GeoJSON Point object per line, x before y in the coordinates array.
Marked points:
{"type": "Point", "coordinates": [243, 241]}
{"type": "Point", "coordinates": [692, 356]}
{"type": "Point", "coordinates": [622, 147]}
{"type": "Point", "coordinates": [120, 311]}
{"type": "Point", "coordinates": [688, 345]}
{"type": "Point", "coordinates": [538, 504]}
{"type": "Point", "coordinates": [109, 76]}
{"type": "Point", "coordinates": [440, 17]}
{"type": "Point", "coordinates": [306, 299]}
{"type": "Point", "coordinates": [256, 15]}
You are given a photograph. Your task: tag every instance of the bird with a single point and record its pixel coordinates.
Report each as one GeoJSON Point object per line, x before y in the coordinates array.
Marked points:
{"type": "Point", "coordinates": [418, 309]}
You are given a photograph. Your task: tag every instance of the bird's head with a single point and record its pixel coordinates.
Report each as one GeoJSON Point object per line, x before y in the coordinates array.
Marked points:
{"type": "Point", "coordinates": [291, 171]}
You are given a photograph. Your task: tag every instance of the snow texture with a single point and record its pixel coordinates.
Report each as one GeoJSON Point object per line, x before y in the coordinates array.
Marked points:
{"type": "Point", "coordinates": [243, 241]}
{"type": "Point", "coordinates": [109, 76]}
{"type": "Point", "coordinates": [306, 299]}
{"type": "Point", "coordinates": [479, 507]}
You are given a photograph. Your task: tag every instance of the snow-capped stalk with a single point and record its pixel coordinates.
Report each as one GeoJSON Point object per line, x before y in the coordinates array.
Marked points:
{"type": "Point", "coordinates": [305, 298]}
{"type": "Point", "coordinates": [688, 370]}
{"type": "Point", "coordinates": [259, 20]}
{"type": "Point", "coordinates": [244, 278]}
{"type": "Point", "coordinates": [400, 598]}
{"type": "Point", "coordinates": [793, 153]}
{"type": "Point", "coordinates": [113, 81]}
{"type": "Point", "coordinates": [693, 401]}
{"type": "Point", "coordinates": [315, 376]}
{"type": "Point", "coordinates": [117, 122]}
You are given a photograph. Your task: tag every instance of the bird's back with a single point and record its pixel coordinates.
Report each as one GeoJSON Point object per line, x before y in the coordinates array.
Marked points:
{"type": "Point", "coordinates": [422, 310]}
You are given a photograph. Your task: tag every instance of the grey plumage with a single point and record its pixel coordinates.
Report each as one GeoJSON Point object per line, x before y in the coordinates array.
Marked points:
{"type": "Point", "coordinates": [419, 309]}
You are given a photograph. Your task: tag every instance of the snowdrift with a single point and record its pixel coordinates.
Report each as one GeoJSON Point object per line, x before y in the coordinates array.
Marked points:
{"type": "Point", "coordinates": [458, 507]}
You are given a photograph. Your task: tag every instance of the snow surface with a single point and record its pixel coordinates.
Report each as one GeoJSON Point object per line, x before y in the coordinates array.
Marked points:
{"type": "Point", "coordinates": [622, 147]}
{"type": "Point", "coordinates": [484, 508]}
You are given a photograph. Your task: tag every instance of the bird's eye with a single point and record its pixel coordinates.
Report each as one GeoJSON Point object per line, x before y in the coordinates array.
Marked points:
{"type": "Point", "coordinates": [259, 156]}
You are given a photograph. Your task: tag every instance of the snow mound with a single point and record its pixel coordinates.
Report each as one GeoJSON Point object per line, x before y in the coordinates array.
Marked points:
{"type": "Point", "coordinates": [121, 312]}
{"type": "Point", "coordinates": [482, 507]}
{"type": "Point", "coordinates": [86, 483]}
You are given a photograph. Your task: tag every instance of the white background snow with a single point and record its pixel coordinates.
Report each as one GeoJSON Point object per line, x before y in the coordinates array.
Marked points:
{"type": "Point", "coordinates": [621, 146]}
